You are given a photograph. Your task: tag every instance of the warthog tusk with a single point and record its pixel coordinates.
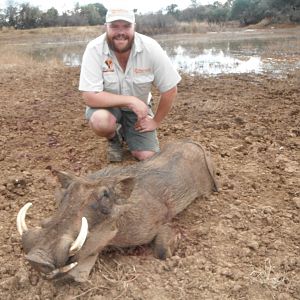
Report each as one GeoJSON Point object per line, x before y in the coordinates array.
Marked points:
{"type": "Point", "coordinates": [78, 243]}
{"type": "Point", "coordinates": [21, 224]}
{"type": "Point", "coordinates": [61, 270]}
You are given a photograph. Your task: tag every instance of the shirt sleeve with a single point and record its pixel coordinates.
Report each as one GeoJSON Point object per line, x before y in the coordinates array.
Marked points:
{"type": "Point", "coordinates": [91, 79]}
{"type": "Point", "coordinates": [165, 74]}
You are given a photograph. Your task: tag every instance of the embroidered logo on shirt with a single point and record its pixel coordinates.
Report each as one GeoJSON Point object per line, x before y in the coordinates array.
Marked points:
{"type": "Point", "coordinates": [110, 66]}
{"type": "Point", "coordinates": [142, 71]}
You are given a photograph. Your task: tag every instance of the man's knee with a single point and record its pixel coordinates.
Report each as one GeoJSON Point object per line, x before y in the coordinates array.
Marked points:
{"type": "Point", "coordinates": [103, 122]}
{"type": "Point", "coordinates": [142, 155]}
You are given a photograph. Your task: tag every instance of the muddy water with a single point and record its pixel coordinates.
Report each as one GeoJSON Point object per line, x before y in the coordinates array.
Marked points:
{"type": "Point", "coordinates": [245, 51]}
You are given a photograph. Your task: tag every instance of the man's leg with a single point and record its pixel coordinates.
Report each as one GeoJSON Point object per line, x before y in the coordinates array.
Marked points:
{"type": "Point", "coordinates": [142, 145]}
{"type": "Point", "coordinates": [142, 155]}
{"type": "Point", "coordinates": [104, 123]}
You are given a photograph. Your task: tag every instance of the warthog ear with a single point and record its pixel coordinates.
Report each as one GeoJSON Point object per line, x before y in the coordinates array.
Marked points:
{"type": "Point", "coordinates": [124, 187]}
{"type": "Point", "coordinates": [64, 178]}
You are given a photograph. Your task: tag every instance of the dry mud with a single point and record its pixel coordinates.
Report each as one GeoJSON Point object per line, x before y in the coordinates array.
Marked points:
{"type": "Point", "coordinates": [242, 243]}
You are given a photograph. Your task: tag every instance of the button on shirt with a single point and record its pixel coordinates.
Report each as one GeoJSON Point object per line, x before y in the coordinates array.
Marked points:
{"type": "Point", "coordinates": [148, 64]}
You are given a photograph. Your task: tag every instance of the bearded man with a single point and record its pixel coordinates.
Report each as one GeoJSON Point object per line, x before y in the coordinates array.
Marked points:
{"type": "Point", "coordinates": [118, 71]}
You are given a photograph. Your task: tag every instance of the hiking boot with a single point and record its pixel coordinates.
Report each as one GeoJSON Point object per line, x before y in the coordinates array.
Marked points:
{"type": "Point", "coordinates": [115, 148]}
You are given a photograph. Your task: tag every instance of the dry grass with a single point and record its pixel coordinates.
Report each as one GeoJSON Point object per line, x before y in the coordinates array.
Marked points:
{"type": "Point", "coordinates": [186, 28]}
{"type": "Point", "coordinates": [80, 32]}
{"type": "Point", "coordinates": [53, 30]}
{"type": "Point", "coordinates": [57, 34]}
{"type": "Point", "coordinates": [113, 275]}
{"type": "Point", "coordinates": [194, 27]}
{"type": "Point", "coordinates": [117, 273]}
{"type": "Point", "coordinates": [268, 277]}
{"type": "Point", "coordinates": [203, 27]}
{"type": "Point", "coordinates": [10, 57]}
{"type": "Point", "coordinates": [15, 45]}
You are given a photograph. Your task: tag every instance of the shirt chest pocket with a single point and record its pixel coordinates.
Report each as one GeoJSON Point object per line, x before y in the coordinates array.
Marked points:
{"type": "Point", "coordinates": [111, 82]}
{"type": "Point", "coordinates": [143, 83]}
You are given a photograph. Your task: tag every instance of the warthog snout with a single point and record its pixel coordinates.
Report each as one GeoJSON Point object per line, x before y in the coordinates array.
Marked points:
{"type": "Point", "coordinates": [55, 248]}
{"type": "Point", "coordinates": [43, 260]}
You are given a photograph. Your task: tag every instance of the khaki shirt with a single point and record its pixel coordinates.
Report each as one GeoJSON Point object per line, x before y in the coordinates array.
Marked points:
{"type": "Point", "coordinates": [148, 64]}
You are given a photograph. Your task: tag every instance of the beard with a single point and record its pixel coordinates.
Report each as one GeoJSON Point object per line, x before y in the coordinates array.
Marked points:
{"type": "Point", "coordinates": [120, 43]}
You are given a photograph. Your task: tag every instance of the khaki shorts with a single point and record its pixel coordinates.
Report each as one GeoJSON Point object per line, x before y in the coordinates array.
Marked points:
{"type": "Point", "coordinates": [136, 141]}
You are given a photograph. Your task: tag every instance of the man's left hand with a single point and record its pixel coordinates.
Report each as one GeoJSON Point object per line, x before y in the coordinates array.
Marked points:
{"type": "Point", "coordinates": [146, 124]}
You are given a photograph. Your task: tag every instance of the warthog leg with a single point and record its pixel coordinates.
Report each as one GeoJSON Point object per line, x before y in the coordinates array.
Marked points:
{"type": "Point", "coordinates": [82, 271]}
{"type": "Point", "coordinates": [165, 242]}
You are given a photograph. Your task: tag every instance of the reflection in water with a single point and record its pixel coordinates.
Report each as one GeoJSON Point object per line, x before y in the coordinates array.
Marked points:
{"type": "Point", "coordinates": [71, 59]}
{"type": "Point", "coordinates": [210, 62]}
{"type": "Point", "coordinates": [213, 62]}
{"type": "Point", "coordinates": [69, 54]}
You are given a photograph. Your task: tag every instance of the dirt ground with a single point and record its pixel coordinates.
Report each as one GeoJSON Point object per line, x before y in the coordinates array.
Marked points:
{"type": "Point", "coordinates": [242, 243]}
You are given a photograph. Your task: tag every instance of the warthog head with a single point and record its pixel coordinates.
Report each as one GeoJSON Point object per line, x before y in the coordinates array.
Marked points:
{"type": "Point", "coordinates": [83, 224]}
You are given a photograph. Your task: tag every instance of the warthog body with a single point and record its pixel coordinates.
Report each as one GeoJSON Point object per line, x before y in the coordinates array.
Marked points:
{"type": "Point", "coordinates": [124, 206]}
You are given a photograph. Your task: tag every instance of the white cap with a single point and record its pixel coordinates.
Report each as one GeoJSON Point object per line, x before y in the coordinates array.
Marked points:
{"type": "Point", "coordinates": [120, 14]}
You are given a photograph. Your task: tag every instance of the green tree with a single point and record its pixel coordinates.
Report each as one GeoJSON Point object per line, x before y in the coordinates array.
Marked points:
{"type": "Point", "coordinates": [228, 3]}
{"type": "Point", "coordinates": [90, 13]}
{"type": "Point", "coordinates": [194, 3]}
{"type": "Point", "coordinates": [11, 13]}
{"type": "Point", "coordinates": [50, 18]}
{"type": "Point", "coordinates": [238, 8]}
{"type": "Point", "coordinates": [283, 5]}
{"type": "Point", "coordinates": [94, 13]}
{"type": "Point", "coordinates": [217, 14]}
{"type": "Point", "coordinates": [28, 16]}
{"type": "Point", "coordinates": [155, 23]}
{"type": "Point", "coordinates": [2, 18]}
{"type": "Point", "coordinates": [102, 10]}
{"type": "Point", "coordinates": [172, 10]}
{"type": "Point", "coordinates": [248, 11]}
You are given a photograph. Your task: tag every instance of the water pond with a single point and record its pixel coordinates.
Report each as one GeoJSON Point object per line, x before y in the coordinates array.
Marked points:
{"type": "Point", "coordinates": [244, 51]}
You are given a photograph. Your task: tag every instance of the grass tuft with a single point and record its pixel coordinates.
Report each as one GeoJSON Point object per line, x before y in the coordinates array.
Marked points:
{"type": "Point", "coordinates": [267, 276]}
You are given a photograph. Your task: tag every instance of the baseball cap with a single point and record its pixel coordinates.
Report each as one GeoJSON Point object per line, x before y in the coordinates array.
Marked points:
{"type": "Point", "coordinates": [120, 14]}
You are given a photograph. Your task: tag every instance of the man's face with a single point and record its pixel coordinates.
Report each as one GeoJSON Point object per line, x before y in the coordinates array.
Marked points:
{"type": "Point", "coordinates": [120, 35]}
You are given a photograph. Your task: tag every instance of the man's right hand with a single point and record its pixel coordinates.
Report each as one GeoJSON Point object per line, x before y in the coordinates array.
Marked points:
{"type": "Point", "coordinates": [139, 107]}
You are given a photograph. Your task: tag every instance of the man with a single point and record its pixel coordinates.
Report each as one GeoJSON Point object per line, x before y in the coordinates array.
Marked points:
{"type": "Point", "coordinates": [117, 72]}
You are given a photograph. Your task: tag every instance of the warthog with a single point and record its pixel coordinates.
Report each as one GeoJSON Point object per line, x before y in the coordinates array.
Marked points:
{"type": "Point", "coordinates": [117, 206]}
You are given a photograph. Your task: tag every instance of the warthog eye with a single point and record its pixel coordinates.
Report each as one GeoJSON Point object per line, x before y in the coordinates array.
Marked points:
{"type": "Point", "coordinates": [105, 193]}
{"type": "Point", "coordinates": [103, 202]}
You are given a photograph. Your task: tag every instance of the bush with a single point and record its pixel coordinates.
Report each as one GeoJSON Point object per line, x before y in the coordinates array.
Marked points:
{"type": "Point", "coordinates": [151, 24]}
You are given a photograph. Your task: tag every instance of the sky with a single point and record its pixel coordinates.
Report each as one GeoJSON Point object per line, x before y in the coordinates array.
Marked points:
{"type": "Point", "coordinates": [142, 6]}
